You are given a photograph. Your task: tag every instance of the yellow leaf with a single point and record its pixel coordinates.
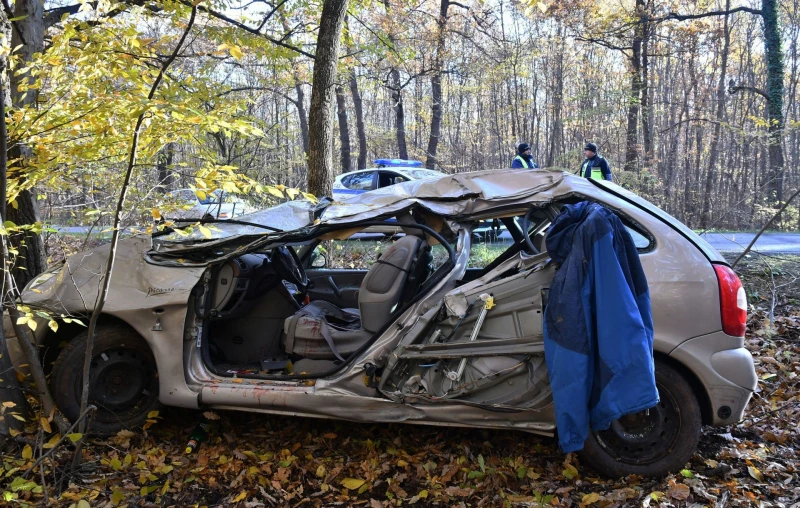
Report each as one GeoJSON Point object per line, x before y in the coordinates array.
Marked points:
{"type": "Point", "coordinates": [22, 320]}
{"type": "Point", "coordinates": [240, 497]}
{"type": "Point", "coordinates": [84, 504]}
{"type": "Point", "coordinates": [9, 404]}
{"type": "Point", "coordinates": [52, 442]}
{"type": "Point", "coordinates": [542, 7]}
{"type": "Point", "coordinates": [165, 489]}
{"type": "Point", "coordinates": [75, 437]}
{"type": "Point", "coordinates": [402, 463]}
{"type": "Point", "coordinates": [32, 324]}
{"type": "Point", "coordinates": [329, 435]}
{"type": "Point", "coordinates": [53, 324]}
{"type": "Point", "coordinates": [206, 232]}
{"type": "Point", "coordinates": [274, 191]}
{"type": "Point", "coordinates": [236, 52]}
{"type": "Point", "coordinates": [755, 473]}
{"type": "Point", "coordinates": [45, 424]}
{"type": "Point", "coordinates": [352, 483]}
{"type": "Point", "coordinates": [423, 494]}
{"type": "Point", "coordinates": [156, 213]}
{"type": "Point", "coordinates": [27, 452]}
{"type": "Point", "coordinates": [236, 380]}
{"type": "Point", "coordinates": [320, 471]}
{"type": "Point", "coordinates": [152, 414]}
{"type": "Point", "coordinates": [590, 498]}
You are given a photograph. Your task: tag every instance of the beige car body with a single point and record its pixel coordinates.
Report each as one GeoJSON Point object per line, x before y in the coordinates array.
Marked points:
{"type": "Point", "coordinates": [152, 299]}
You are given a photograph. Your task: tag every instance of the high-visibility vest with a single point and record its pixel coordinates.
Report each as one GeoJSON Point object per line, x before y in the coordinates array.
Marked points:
{"type": "Point", "coordinates": [523, 161]}
{"type": "Point", "coordinates": [596, 173]}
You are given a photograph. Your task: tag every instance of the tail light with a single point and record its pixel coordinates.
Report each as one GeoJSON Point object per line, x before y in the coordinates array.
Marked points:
{"type": "Point", "coordinates": [732, 301]}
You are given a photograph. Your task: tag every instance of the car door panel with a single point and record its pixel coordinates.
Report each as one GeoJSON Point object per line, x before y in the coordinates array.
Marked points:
{"type": "Point", "coordinates": [339, 287]}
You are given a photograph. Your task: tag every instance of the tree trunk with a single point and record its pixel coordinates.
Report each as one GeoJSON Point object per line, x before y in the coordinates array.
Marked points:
{"type": "Point", "coordinates": [362, 134]}
{"type": "Point", "coordinates": [31, 259]}
{"type": "Point", "coordinates": [165, 156]}
{"type": "Point", "coordinates": [399, 113]}
{"type": "Point", "coordinates": [635, 63]}
{"type": "Point", "coordinates": [647, 108]}
{"type": "Point", "coordinates": [302, 115]}
{"type": "Point", "coordinates": [344, 130]}
{"type": "Point", "coordinates": [436, 87]}
{"type": "Point", "coordinates": [715, 140]}
{"type": "Point", "coordinates": [320, 121]}
{"type": "Point", "coordinates": [397, 97]}
{"type": "Point", "coordinates": [558, 103]}
{"type": "Point", "coordinates": [775, 70]}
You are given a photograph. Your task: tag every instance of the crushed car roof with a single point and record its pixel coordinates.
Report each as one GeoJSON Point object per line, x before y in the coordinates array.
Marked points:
{"type": "Point", "coordinates": [451, 196]}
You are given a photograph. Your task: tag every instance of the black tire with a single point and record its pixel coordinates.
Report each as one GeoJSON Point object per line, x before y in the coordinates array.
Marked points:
{"type": "Point", "coordinates": [123, 379]}
{"type": "Point", "coordinates": [651, 443]}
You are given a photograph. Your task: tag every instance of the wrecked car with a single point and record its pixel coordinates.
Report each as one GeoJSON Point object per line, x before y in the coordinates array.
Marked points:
{"type": "Point", "coordinates": [315, 310]}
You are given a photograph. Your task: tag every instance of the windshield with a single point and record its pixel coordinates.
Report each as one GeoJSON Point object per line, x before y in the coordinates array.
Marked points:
{"type": "Point", "coordinates": [419, 174]}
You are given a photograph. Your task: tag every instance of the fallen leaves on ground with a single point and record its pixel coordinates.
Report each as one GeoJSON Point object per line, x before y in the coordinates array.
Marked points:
{"type": "Point", "coordinates": [256, 460]}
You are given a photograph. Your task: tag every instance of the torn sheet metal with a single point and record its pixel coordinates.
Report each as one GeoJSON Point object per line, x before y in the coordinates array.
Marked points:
{"type": "Point", "coordinates": [456, 302]}
{"type": "Point", "coordinates": [450, 196]}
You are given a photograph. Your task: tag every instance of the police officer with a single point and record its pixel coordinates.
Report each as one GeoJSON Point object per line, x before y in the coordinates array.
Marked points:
{"type": "Point", "coordinates": [594, 166]}
{"type": "Point", "coordinates": [523, 159]}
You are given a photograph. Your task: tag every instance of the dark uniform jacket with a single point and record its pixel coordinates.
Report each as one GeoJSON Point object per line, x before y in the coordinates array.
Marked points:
{"type": "Point", "coordinates": [596, 167]}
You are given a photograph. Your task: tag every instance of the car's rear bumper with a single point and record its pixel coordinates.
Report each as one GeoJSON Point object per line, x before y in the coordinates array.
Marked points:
{"type": "Point", "coordinates": [726, 371]}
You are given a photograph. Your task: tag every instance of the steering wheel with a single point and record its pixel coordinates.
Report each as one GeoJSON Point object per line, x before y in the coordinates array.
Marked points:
{"type": "Point", "coordinates": [526, 223]}
{"type": "Point", "coordinates": [289, 267]}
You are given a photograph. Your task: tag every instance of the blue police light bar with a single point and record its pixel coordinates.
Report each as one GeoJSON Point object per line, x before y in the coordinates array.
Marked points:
{"type": "Point", "coordinates": [397, 163]}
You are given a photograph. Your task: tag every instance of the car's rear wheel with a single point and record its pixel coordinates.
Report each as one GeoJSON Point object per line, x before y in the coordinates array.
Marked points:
{"type": "Point", "coordinates": [654, 442]}
{"type": "Point", "coordinates": [123, 381]}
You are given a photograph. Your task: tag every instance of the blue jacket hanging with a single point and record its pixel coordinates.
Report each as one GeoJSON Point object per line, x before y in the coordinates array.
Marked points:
{"type": "Point", "coordinates": [598, 328]}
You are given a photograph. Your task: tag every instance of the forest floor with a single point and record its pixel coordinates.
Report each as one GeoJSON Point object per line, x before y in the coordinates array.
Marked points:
{"type": "Point", "coordinates": [257, 460]}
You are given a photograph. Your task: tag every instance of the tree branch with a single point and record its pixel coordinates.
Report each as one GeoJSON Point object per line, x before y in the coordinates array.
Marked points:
{"type": "Point", "coordinates": [733, 89]}
{"type": "Point", "coordinates": [769, 222]}
{"type": "Point", "coordinates": [101, 297]}
{"type": "Point", "coordinates": [684, 17]}
{"type": "Point", "coordinates": [238, 24]}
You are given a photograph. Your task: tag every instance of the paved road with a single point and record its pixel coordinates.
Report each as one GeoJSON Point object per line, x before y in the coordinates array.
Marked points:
{"type": "Point", "coordinates": [768, 243]}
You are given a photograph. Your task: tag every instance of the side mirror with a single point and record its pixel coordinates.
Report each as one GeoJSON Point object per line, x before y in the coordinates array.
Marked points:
{"type": "Point", "coordinates": [318, 261]}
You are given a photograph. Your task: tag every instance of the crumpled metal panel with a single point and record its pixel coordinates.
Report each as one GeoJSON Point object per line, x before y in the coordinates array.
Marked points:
{"type": "Point", "coordinates": [135, 284]}
{"type": "Point", "coordinates": [286, 217]}
{"type": "Point", "coordinates": [453, 195]}
{"type": "Point", "coordinates": [450, 196]}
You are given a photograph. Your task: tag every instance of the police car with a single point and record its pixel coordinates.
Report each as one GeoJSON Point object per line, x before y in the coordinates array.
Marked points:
{"type": "Point", "coordinates": [387, 172]}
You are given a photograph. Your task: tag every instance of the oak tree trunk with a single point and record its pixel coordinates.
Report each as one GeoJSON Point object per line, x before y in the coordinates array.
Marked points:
{"type": "Point", "coordinates": [436, 87]}
{"type": "Point", "coordinates": [711, 175]}
{"type": "Point", "coordinates": [358, 104]}
{"type": "Point", "coordinates": [320, 120]}
{"type": "Point", "coordinates": [31, 259]}
{"type": "Point", "coordinates": [344, 131]}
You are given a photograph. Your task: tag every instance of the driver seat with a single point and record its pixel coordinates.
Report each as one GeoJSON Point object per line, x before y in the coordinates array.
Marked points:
{"type": "Point", "coordinates": [322, 331]}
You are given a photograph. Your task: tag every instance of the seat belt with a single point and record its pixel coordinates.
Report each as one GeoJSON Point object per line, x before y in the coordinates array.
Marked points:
{"type": "Point", "coordinates": [323, 328]}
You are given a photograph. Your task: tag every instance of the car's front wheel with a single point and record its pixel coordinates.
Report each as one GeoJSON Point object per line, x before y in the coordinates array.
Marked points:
{"type": "Point", "coordinates": [654, 442]}
{"type": "Point", "coordinates": [123, 381]}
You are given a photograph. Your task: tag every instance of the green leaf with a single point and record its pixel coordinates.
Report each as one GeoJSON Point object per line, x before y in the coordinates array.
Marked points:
{"type": "Point", "coordinates": [75, 437]}
{"type": "Point", "coordinates": [481, 463]}
{"type": "Point", "coordinates": [521, 472]}
{"type": "Point", "coordinates": [117, 496]}
{"type": "Point", "coordinates": [570, 472]}
{"type": "Point", "coordinates": [686, 473]}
